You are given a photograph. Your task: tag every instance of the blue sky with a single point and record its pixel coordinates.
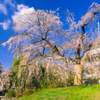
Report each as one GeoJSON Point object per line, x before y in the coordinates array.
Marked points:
{"type": "Point", "coordinates": [9, 7]}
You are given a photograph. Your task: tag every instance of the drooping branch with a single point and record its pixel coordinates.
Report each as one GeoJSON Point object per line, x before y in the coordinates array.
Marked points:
{"type": "Point", "coordinates": [39, 25]}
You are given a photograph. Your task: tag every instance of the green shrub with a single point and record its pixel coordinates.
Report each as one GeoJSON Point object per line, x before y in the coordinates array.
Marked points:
{"type": "Point", "coordinates": [18, 90]}
{"type": "Point", "coordinates": [28, 92]}
{"type": "Point", "coordinates": [11, 94]}
{"type": "Point", "coordinates": [91, 81]}
{"type": "Point", "coordinates": [57, 84]}
{"type": "Point", "coordinates": [18, 96]}
{"type": "Point", "coordinates": [39, 89]}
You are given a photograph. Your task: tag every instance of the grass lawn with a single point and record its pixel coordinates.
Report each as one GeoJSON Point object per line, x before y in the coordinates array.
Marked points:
{"type": "Point", "coordinates": [90, 92]}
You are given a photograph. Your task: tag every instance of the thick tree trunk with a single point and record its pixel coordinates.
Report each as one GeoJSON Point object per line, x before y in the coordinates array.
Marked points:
{"type": "Point", "coordinates": [78, 75]}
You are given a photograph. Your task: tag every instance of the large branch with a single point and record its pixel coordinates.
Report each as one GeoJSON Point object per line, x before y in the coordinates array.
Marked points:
{"type": "Point", "coordinates": [85, 24]}
{"type": "Point", "coordinates": [83, 28]}
{"type": "Point", "coordinates": [55, 49]}
{"type": "Point", "coordinates": [32, 39]}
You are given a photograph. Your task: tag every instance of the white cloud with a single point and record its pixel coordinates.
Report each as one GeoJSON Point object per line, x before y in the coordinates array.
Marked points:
{"type": "Point", "coordinates": [5, 24]}
{"type": "Point", "coordinates": [9, 2]}
{"type": "Point", "coordinates": [22, 9]}
{"type": "Point", "coordinates": [3, 9]}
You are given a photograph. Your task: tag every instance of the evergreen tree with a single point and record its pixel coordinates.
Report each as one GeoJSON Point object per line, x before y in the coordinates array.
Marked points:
{"type": "Point", "coordinates": [0, 65]}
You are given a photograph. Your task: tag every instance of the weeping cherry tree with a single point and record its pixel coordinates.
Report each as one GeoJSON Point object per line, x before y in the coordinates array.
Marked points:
{"type": "Point", "coordinates": [40, 35]}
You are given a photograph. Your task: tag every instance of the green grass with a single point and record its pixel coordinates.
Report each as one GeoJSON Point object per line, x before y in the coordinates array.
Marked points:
{"type": "Point", "coordinates": [91, 92]}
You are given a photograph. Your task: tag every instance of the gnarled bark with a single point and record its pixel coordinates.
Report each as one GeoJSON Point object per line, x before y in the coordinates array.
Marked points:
{"type": "Point", "coordinates": [78, 80]}
{"type": "Point", "coordinates": [78, 75]}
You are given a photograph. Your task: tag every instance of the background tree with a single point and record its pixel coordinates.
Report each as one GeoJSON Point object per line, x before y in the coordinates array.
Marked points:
{"type": "Point", "coordinates": [0, 65]}
{"type": "Point", "coordinates": [40, 35]}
